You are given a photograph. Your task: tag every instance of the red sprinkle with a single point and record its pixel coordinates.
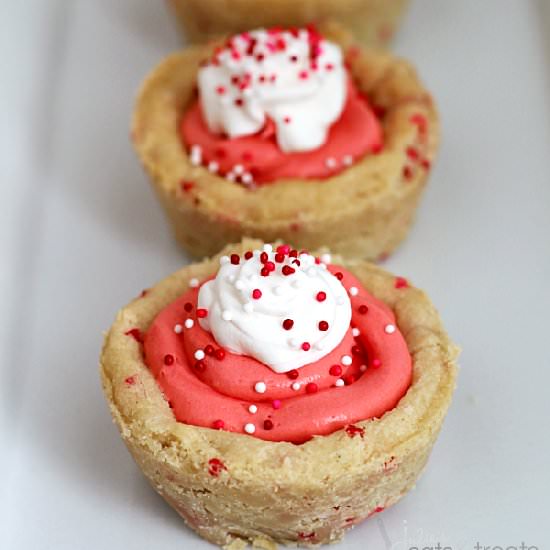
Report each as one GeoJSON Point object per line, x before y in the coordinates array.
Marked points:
{"type": "Point", "coordinates": [238, 102]}
{"type": "Point", "coordinates": [131, 380]}
{"type": "Point", "coordinates": [407, 172]}
{"type": "Point", "coordinates": [276, 404]}
{"type": "Point", "coordinates": [349, 379]}
{"type": "Point", "coordinates": [425, 163]}
{"type": "Point", "coordinates": [264, 272]}
{"type": "Point", "coordinates": [219, 354]}
{"type": "Point", "coordinates": [293, 253]}
{"type": "Point", "coordinates": [376, 363]}
{"type": "Point", "coordinates": [420, 121]}
{"type": "Point", "coordinates": [412, 153]}
{"type": "Point", "coordinates": [283, 249]}
{"type": "Point", "coordinates": [188, 306]}
{"type": "Point", "coordinates": [306, 346]}
{"type": "Point", "coordinates": [215, 467]}
{"type": "Point", "coordinates": [339, 275]}
{"type": "Point", "coordinates": [287, 270]}
{"type": "Point", "coordinates": [209, 349]}
{"type": "Point", "coordinates": [321, 296]}
{"type": "Point", "coordinates": [169, 359]}
{"type": "Point", "coordinates": [293, 58]}
{"type": "Point", "coordinates": [312, 387]}
{"type": "Point", "coordinates": [135, 333]}
{"type": "Point", "coordinates": [202, 313]}
{"type": "Point", "coordinates": [200, 366]}
{"type": "Point", "coordinates": [401, 282]}
{"type": "Point", "coordinates": [335, 370]}
{"type": "Point", "coordinates": [292, 374]}
{"type": "Point", "coordinates": [279, 258]}
{"type": "Point", "coordinates": [256, 294]}
{"type": "Point", "coordinates": [248, 254]}
{"type": "Point", "coordinates": [264, 257]}
{"type": "Point", "coordinates": [329, 66]}
{"type": "Point", "coordinates": [268, 424]}
{"type": "Point", "coordinates": [220, 90]}
{"type": "Point", "coordinates": [353, 430]}
{"type": "Point", "coordinates": [270, 266]}
{"type": "Point", "coordinates": [287, 120]}
{"type": "Point", "coordinates": [303, 75]}
{"type": "Point", "coordinates": [288, 324]}
{"type": "Point", "coordinates": [235, 259]}
{"type": "Point", "coordinates": [218, 424]}
{"type": "Point", "coordinates": [187, 185]}
{"type": "Point", "coordinates": [356, 350]}
{"type": "Point", "coordinates": [323, 325]}
{"type": "Point", "coordinates": [363, 309]}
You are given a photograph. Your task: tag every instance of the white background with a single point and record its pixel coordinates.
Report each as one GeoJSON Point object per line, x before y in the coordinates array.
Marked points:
{"type": "Point", "coordinates": [81, 234]}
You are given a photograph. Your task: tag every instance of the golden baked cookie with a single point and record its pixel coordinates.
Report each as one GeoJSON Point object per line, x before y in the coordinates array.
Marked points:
{"type": "Point", "coordinates": [362, 211]}
{"type": "Point", "coordinates": [233, 487]}
{"type": "Point", "coordinates": [373, 21]}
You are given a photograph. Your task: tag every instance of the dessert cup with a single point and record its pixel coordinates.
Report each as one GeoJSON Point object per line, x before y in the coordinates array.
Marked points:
{"type": "Point", "coordinates": [363, 211]}
{"type": "Point", "coordinates": [233, 488]}
{"type": "Point", "coordinates": [373, 21]}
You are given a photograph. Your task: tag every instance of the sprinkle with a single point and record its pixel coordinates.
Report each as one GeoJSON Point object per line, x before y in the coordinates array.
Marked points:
{"type": "Point", "coordinates": [200, 366]}
{"type": "Point", "coordinates": [209, 349]}
{"type": "Point", "coordinates": [311, 272]}
{"type": "Point", "coordinates": [306, 346]}
{"type": "Point", "coordinates": [323, 325]}
{"type": "Point", "coordinates": [303, 75]}
{"type": "Point", "coordinates": [407, 172]}
{"type": "Point", "coordinates": [295, 386]}
{"type": "Point", "coordinates": [292, 374]}
{"type": "Point", "coordinates": [169, 359]}
{"type": "Point", "coordinates": [253, 409]}
{"type": "Point", "coordinates": [238, 102]}
{"type": "Point", "coordinates": [224, 260]}
{"type": "Point", "coordinates": [288, 324]}
{"type": "Point", "coordinates": [339, 383]}
{"type": "Point", "coordinates": [312, 387]}
{"type": "Point", "coordinates": [188, 307]}
{"type": "Point", "coordinates": [189, 323]}
{"type": "Point", "coordinates": [178, 329]}
{"type": "Point", "coordinates": [286, 119]}
{"type": "Point", "coordinates": [326, 258]}
{"type": "Point", "coordinates": [202, 313]}
{"type": "Point", "coordinates": [363, 368]}
{"type": "Point", "coordinates": [340, 300]}
{"type": "Point", "coordinates": [353, 291]}
{"type": "Point", "coordinates": [401, 282]}
{"type": "Point", "coordinates": [287, 270]}
{"type": "Point", "coordinates": [219, 354]}
{"type": "Point", "coordinates": [238, 169]}
{"type": "Point", "coordinates": [256, 294]}
{"type": "Point", "coordinates": [268, 424]}
{"type": "Point", "coordinates": [135, 333]}
{"type": "Point", "coordinates": [355, 332]}
{"type": "Point", "coordinates": [248, 254]}
{"type": "Point", "coordinates": [335, 370]}
{"type": "Point", "coordinates": [376, 363]}
{"type": "Point", "coordinates": [235, 259]}
{"type": "Point", "coordinates": [412, 153]}
{"type": "Point", "coordinates": [247, 178]}
{"type": "Point", "coordinates": [349, 379]}
{"type": "Point", "coordinates": [278, 290]}
{"type": "Point", "coordinates": [239, 284]}
{"type": "Point", "coordinates": [213, 166]}
{"type": "Point", "coordinates": [347, 160]}
{"type": "Point", "coordinates": [248, 307]}
{"type": "Point", "coordinates": [199, 355]}
{"type": "Point", "coordinates": [276, 404]}
{"type": "Point", "coordinates": [218, 424]}
{"type": "Point", "coordinates": [331, 162]}
{"type": "Point", "coordinates": [339, 275]}
{"type": "Point", "coordinates": [260, 387]}
{"type": "Point", "coordinates": [362, 309]}
{"type": "Point", "coordinates": [356, 350]}
{"type": "Point", "coordinates": [321, 296]}
{"type": "Point", "coordinates": [249, 428]}
{"type": "Point", "coordinates": [227, 315]}
{"type": "Point", "coordinates": [194, 282]}
{"type": "Point", "coordinates": [346, 360]}
{"type": "Point", "coordinates": [283, 249]}
{"type": "Point", "coordinates": [389, 329]}
{"type": "Point", "coordinates": [230, 176]}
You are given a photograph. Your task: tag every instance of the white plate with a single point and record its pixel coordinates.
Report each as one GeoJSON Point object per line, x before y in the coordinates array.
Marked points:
{"type": "Point", "coordinates": [82, 234]}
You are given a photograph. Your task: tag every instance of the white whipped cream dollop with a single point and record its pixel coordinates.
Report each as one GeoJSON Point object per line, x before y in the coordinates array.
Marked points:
{"type": "Point", "coordinates": [297, 79]}
{"type": "Point", "coordinates": [292, 317]}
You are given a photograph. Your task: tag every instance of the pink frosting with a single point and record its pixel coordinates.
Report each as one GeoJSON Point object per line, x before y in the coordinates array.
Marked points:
{"type": "Point", "coordinates": [216, 392]}
{"type": "Point", "coordinates": [357, 133]}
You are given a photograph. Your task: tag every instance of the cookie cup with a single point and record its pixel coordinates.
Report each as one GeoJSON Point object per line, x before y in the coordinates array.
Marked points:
{"type": "Point", "coordinates": [373, 21]}
{"type": "Point", "coordinates": [365, 211]}
{"type": "Point", "coordinates": [233, 488]}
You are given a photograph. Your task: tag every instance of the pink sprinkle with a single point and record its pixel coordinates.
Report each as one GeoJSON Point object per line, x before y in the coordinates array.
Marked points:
{"type": "Point", "coordinates": [303, 75]}
{"type": "Point", "coordinates": [276, 404]}
{"type": "Point", "coordinates": [220, 90]}
{"type": "Point", "coordinates": [376, 363]}
{"type": "Point", "coordinates": [286, 120]}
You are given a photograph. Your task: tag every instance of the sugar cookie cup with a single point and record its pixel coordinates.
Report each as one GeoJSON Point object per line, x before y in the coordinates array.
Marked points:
{"type": "Point", "coordinates": [365, 211]}
{"type": "Point", "coordinates": [232, 487]}
{"type": "Point", "coordinates": [373, 21]}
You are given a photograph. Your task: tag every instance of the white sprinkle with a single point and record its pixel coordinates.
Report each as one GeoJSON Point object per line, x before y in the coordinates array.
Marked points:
{"type": "Point", "coordinates": [347, 160]}
{"type": "Point", "coordinates": [230, 176]}
{"type": "Point", "coordinates": [193, 283]}
{"type": "Point", "coordinates": [196, 150]}
{"type": "Point", "coordinates": [312, 272]}
{"type": "Point", "coordinates": [331, 162]}
{"type": "Point", "coordinates": [247, 92]}
{"type": "Point", "coordinates": [199, 355]}
{"type": "Point", "coordinates": [249, 428]}
{"type": "Point", "coordinates": [319, 345]}
{"type": "Point", "coordinates": [339, 383]}
{"type": "Point", "coordinates": [340, 300]}
{"type": "Point", "coordinates": [355, 332]}
{"type": "Point", "coordinates": [353, 291]}
{"type": "Point", "coordinates": [297, 283]}
{"type": "Point", "coordinates": [389, 329]}
{"type": "Point", "coordinates": [295, 386]}
{"type": "Point", "coordinates": [189, 323]}
{"type": "Point", "coordinates": [213, 166]}
{"type": "Point", "coordinates": [225, 100]}
{"type": "Point", "coordinates": [278, 290]}
{"type": "Point", "coordinates": [227, 315]}
{"type": "Point", "coordinates": [294, 342]}
{"type": "Point", "coordinates": [231, 278]}
{"type": "Point", "coordinates": [224, 260]}
{"type": "Point", "coordinates": [363, 368]}
{"type": "Point", "coordinates": [326, 258]}
{"type": "Point", "coordinates": [247, 178]}
{"type": "Point", "coordinates": [239, 284]}
{"type": "Point", "coordinates": [238, 169]}
{"type": "Point", "coordinates": [252, 409]}
{"type": "Point", "coordinates": [248, 307]}
{"type": "Point", "coordinates": [268, 248]}
{"type": "Point", "coordinates": [178, 329]}
{"type": "Point", "coordinates": [260, 387]}
{"type": "Point", "coordinates": [346, 360]}
{"type": "Point", "coordinates": [195, 161]}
